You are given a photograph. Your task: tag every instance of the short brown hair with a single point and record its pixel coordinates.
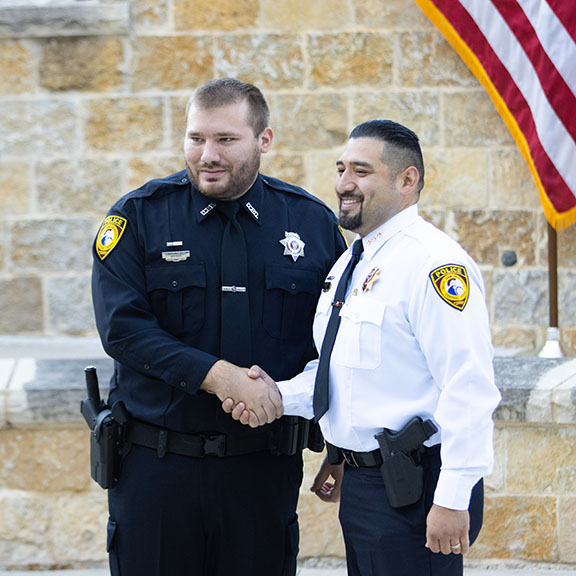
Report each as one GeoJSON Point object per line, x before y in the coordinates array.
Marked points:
{"type": "Point", "coordinates": [224, 91]}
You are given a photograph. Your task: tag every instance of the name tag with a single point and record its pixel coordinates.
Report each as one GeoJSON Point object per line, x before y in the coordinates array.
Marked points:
{"type": "Point", "coordinates": [176, 256]}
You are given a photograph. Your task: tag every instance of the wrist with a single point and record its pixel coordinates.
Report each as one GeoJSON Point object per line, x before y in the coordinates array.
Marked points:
{"type": "Point", "coordinates": [214, 379]}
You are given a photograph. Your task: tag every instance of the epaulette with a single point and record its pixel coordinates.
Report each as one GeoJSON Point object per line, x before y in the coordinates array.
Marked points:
{"type": "Point", "coordinates": [156, 187]}
{"type": "Point", "coordinates": [291, 189]}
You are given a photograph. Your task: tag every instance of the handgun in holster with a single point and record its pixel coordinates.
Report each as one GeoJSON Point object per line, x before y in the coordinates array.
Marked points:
{"type": "Point", "coordinates": [106, 425]}
{"type": "Point", "coordinates": [401, 469]}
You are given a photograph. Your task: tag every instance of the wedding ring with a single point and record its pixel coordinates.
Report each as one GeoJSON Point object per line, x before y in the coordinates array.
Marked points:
{"type": "Point", "coordinates": [456, 546]}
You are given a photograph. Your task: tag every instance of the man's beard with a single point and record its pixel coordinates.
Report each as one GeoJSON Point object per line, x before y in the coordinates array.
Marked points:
{"type": "Point", "coordinates": [242, 178]}
{"type": "Point", "coordinates": [350, 221]}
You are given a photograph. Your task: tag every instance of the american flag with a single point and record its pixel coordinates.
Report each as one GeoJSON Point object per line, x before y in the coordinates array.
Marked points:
{"type": "Point", "coordinates": [524, 54]}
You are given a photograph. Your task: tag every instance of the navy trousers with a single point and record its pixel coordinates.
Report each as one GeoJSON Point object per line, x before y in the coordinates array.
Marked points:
{"type": "Point", "coordinates": [385, 541]}
{"type": "Point", "coordinates": [181, 516]}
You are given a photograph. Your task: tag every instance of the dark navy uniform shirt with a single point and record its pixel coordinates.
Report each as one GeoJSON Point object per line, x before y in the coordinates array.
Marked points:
{"type": "Point", "coordinates": [158, 312]}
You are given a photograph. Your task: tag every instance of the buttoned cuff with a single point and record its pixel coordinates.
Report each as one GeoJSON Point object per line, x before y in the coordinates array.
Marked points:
{"type": "Point", "coordinates": [296, 404]}
{"type": "Point", "coordinates": [297, 393]}
{"type": "Point", "coordinates": [454, 489]}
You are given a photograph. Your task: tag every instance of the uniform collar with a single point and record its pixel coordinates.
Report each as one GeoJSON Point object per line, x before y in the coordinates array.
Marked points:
{"type": "Point", "coordinates": [251, 202]}
{"type": "Point", "coordinates": [376, 239]}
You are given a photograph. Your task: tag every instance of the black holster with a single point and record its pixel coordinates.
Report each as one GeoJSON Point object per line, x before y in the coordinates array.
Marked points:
{"type": "Point", "coordinates": [104, 456]}
{"type": "Point", "coordinates": [401, 468]}
{"type": "Point", "coordinates": [106, 433]}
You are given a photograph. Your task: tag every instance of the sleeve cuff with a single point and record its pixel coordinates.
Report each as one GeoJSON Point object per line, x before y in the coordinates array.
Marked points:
{"type": "Point", "coordinates": [297, 393]}
{"type": "Point", "coordinates": [454, 489]}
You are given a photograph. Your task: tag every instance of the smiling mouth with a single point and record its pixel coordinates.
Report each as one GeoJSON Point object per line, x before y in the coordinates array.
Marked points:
{"type": "Point", "coordinates": [349, 202]}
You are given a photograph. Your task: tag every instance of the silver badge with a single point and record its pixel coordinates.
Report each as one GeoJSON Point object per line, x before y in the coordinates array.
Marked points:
{"type": "Point", "coordinates": [293, 245]}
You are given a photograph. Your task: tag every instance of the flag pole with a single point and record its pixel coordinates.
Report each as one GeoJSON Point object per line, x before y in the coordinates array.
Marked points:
{"type": "Point", "coordinates": [551, 348]}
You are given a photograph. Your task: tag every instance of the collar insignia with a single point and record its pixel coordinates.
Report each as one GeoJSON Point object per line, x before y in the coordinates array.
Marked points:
{"type": "Point", "coordinates": [205, 211]}
{"type": "Point", "coordinates": [293, 245]}
{"type": "Point", "coordinates": [253, 210]}
{"type": "Point", "coordinates": [452, 284]}
{"type": "Point", "coordinates": [375, 237]}
{"type": "Point", "coordinates": [370, 279]}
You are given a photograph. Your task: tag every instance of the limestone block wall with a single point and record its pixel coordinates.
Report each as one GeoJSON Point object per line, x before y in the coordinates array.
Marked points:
{"type": "Point", "coordinates": [53, 515]}
{"type": "Point", "coordinates": [92, 96]}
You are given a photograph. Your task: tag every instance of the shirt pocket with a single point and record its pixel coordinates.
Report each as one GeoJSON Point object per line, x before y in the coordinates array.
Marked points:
{"type": "Point", "coordinates": [290, 301]}
{"type": "Point", "coordinates": [177, 295]}
{"type": "Point", "coordinates": [359, 341]}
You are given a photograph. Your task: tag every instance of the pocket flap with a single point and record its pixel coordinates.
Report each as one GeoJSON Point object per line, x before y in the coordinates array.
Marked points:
{"type": "Point", "coordinates": [364, 310]}
{"type": "Point", "coordinates": [292, 280]}
{"type": "Point", "coordinates": [175, 277]}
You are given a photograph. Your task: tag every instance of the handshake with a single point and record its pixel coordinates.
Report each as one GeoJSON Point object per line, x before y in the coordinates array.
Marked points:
{"type": "Point", "coordinates": [249, 395]}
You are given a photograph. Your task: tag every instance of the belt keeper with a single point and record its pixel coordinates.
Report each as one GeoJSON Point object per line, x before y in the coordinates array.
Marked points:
{"type": "Point", "coordinates": [162, 443]}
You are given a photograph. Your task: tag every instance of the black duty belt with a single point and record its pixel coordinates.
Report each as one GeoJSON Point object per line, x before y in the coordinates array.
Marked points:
{"type": "Point", "coordinates": [361, 459]}
{"type": "Point", "coordinates": [374, 458]}
{"type": "Point", "coordinates": [195, 445]}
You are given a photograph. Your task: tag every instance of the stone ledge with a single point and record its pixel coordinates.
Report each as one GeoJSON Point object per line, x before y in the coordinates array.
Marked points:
{"type": "Point", "coordinates": [38, 18]}
{"type": "Point", "coordinates": [49, 389]}
{"type": "Point", "coordinates": [539, 390]}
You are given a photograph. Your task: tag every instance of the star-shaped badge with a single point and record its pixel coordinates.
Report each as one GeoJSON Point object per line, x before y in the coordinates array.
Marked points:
{"type": "Point", "coordinates": [370, 279]}
{"type": "Point", "coordinates": [293, 245]}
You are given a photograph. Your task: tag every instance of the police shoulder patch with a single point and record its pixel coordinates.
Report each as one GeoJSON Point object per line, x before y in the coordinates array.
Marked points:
{"type": "Point", "coordinates": [109, 234]}
{"type": "Point", "coordinates": [452, 284]}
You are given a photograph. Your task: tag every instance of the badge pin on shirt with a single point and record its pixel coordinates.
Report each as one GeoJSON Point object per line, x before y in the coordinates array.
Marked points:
{"type": "Point", "coordinates": [370, 279]}
{"type": "Point", "coordinates": [293, 245]}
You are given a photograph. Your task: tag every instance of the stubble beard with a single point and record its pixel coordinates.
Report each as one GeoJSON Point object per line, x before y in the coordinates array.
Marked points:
{"type": "Point", "coordinates": [241, 179]}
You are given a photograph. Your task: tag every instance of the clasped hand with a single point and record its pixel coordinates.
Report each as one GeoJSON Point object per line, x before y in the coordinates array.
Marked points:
{"type": "Point", "coordinates": [249, 395]}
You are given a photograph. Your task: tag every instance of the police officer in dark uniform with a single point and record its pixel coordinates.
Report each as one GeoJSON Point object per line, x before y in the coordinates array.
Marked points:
{"type": "Point", "coordinates": [197, 277]}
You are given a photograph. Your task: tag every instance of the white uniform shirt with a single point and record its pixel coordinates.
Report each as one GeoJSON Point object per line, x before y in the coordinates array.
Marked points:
{"type": "Point", "coordinates": [406, 347]}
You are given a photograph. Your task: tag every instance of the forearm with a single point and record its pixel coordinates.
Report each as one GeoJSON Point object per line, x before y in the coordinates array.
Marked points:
{"type": "Point", "coordinates": [157, 354]}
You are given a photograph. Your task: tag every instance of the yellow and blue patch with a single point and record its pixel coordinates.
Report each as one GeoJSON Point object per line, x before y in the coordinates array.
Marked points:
{"type": "Point", "coordinates": [452, 284]}
{"type": "Point", "coordinates": [109, 234]}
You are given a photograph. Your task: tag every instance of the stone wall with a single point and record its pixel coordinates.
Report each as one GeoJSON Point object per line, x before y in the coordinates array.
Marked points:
{"type": "Point", "coordinates": [54, 515]}
{"type": "Point", "coordinates": [91, 105]}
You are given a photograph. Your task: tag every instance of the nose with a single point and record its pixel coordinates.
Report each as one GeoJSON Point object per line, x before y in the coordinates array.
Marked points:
{"type": "Point", "coordinates": [344, 183]}
{"type": "Point", "coordinates": [210, 153]}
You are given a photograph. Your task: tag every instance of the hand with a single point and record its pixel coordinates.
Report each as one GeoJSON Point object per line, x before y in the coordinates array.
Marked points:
{"type": "Point", "coordinates": [233, 385]}
{"type": "Point", "coordinates": [447, 530]}
{"type": "Point", "coordinates": [325, 490]}
{"type": "Point", "coordinates": [239, 410]}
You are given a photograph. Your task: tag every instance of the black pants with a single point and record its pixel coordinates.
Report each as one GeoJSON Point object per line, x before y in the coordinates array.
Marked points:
{"type": "Point", "coordinates": [385, 541]}
{"type": "Point", "coordinates": [181, 516]}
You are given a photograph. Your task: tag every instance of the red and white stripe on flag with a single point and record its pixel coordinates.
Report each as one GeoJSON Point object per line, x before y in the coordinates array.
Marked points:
{"type": "Point", "coordinates": [524, 53]}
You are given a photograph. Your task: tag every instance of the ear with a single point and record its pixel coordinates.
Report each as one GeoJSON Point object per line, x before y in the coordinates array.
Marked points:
{"type": "Point", "coordinates": [265, 138]}
{"type": "Point", "coordinates": [409, 179]}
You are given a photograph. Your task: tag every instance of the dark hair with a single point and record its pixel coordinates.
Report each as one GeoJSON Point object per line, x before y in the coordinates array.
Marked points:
{"type": "Point", "coordinates": [403, 146]}
{"type": "Point", "coordinates": [224, 91]}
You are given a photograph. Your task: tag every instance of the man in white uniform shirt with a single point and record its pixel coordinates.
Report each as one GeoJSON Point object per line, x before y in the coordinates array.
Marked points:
{"type": "Point", "coordinates": [413, 342]}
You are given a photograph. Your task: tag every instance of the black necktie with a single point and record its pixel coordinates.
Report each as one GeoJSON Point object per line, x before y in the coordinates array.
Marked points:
{"type": "Point", "coordinates": [321, 386]}
{"type": "Point", "coordinates": [235, 334]}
